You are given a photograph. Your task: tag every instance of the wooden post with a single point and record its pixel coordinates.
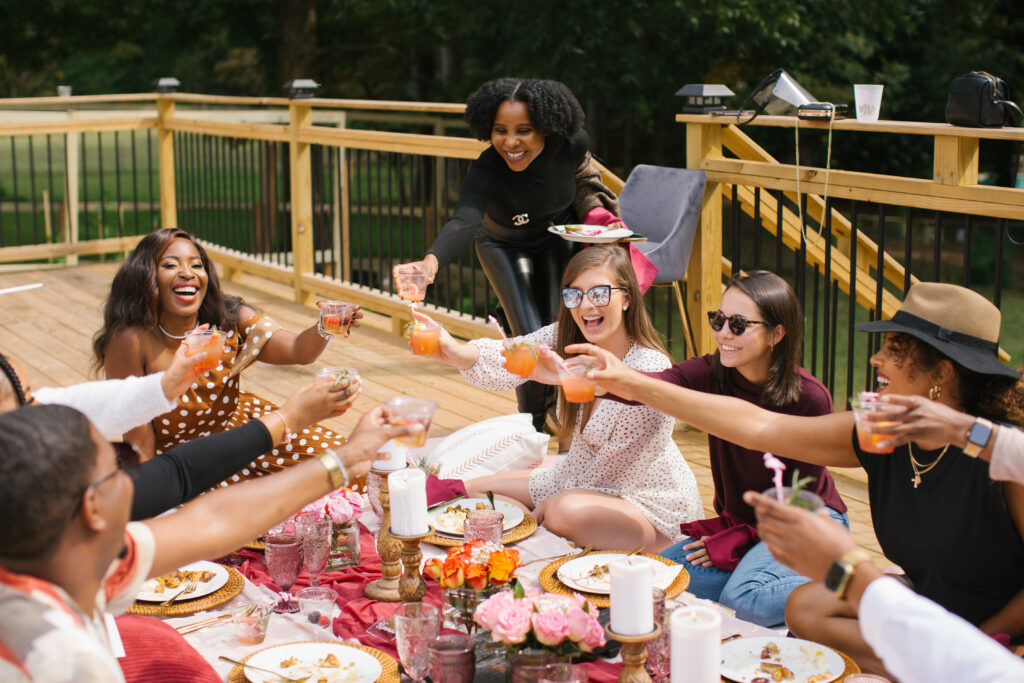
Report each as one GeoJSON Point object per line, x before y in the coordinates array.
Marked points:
{"type": "Point", "coordinates": [956, 160]}
{"type": "Point", "coordinates": [342, 214]}
{"type": "Point", "coordinates": [301, 197]}
{"type": "Point", "coordinates": [704, 274]}
{"type": "Point", "coordinates": [70, 225]}
{"type": "Point", "coordinates": [165, 147]}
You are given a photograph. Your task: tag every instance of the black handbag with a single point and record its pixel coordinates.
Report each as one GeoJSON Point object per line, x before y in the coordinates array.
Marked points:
{"type": "Point", "coordinates": [979, 100]}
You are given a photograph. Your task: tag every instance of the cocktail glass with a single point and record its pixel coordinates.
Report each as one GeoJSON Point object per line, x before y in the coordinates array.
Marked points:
{"type": "Point", "coordinates": [868, 441]}
{"type": "Point", "coordinates": [337, 316]}
{"type": "Point", "coordinates": [573, 375]}
{"type": "Point", "coordinates": [416, 626]}
{"type": "Point", "coordinates": [424, 337]}
{"type": "Point", "coordinates": [410, 282]}
{"type": "Point", "coordinates": [283, 556]}
{"type": "Point", "coordinates": [403, 410]}
{"type": "Point", "coordinates": [484, 525]}
{"type": "Point", "coordinates": [339, 375]}
{"type": "Point", "coordinates": [314, 531]}
{"type": "Point", "coordinates": [210, 341]}
{"type": "Point", "coordinates": [520, 357]}
{"type": "Point", "coordinates": [251, 623]}
{"type": "Point", "coordinates": [808, 500]}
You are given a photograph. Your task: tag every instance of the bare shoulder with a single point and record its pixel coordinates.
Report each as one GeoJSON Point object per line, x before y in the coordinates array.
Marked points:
{"type": "Point", "coordinates": [129, 352]}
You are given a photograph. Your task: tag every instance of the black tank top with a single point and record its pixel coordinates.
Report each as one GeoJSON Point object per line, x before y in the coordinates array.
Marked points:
{"type": "Point", "coordinates": [953, 535]}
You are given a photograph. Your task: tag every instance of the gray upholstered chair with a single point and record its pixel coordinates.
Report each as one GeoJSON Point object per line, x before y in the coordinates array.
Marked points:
{"type": "Point", "coordinates": [663, 204]}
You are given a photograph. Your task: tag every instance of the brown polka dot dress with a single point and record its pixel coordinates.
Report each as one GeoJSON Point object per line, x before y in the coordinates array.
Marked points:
{"type": "Point", "coordinates": [216, 403]}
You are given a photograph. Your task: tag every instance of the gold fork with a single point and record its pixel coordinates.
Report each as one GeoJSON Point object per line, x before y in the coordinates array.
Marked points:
{"type": "Point", "coordinates": [586, 551]}
{"type": "Point", "coordinates": [190, 586]}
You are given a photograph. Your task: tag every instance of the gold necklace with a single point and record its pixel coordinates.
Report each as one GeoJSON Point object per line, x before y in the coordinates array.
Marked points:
{"type": "Point", "coordinates": [920, 469]}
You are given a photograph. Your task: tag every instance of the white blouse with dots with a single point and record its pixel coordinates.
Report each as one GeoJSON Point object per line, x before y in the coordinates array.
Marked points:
{"type": "Point", "coordinates": [624, 451]}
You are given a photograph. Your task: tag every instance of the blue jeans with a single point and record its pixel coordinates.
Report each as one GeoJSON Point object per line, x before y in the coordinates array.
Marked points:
{"type": "Point", "coordinates": [757, 589]}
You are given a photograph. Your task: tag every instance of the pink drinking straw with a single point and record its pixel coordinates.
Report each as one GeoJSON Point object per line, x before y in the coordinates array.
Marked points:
{"type": "Point", "coordinates": [491, 319]}
{"type": "Point", "coordinates": [777, 466]}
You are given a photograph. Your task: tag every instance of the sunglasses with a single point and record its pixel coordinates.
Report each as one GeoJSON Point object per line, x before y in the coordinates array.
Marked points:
{"type": "Point", "coordinates": [600, 296]}
{"type": "Point", "coordinates": [737, 323]}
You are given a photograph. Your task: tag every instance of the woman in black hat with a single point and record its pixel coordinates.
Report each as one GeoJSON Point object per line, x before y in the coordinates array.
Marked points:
{"type": "Point", "coordinates": [936, 513]}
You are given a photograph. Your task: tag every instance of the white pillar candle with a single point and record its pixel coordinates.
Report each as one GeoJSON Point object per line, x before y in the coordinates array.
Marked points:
{"type": "Point", "coordinates": [632, 598]}
{"type": "Point", "coordinates": [408, 489]}
{"type": "Point", "coordinates": [696, 645]}
{"type": "Point", "coordinates": [396, 457]}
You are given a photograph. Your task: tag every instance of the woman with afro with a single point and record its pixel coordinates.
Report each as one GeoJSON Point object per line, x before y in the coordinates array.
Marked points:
{"type": "Point", "coordinates": [536, 173]}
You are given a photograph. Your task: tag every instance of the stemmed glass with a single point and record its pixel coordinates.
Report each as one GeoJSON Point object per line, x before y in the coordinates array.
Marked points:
{"type": "Point", "coordinates": [416, 626]}
{"type": "Point", "coordinates": [283, 556]}
{"type": "Point", "coordinates": [314, 531]}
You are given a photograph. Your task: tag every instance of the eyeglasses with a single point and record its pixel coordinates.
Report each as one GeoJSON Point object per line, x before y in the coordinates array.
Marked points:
{"type": "Point", "coordinates": [600, 296]}
{"type": "Point", "coordinates": [127, 457]}
{"type": "Point", "coordinates": [737, 323]}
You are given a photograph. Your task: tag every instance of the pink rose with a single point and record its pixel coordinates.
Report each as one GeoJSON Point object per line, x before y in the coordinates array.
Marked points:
{"type": "Point", "coordinates": [550, 627]}
{"type": "Point", "coordinates": [578, 622]}
{"type": "Point", "coordinates": [344, 506]}
{"type": "Point", "coordinates": [511, 626]}
{"type": "Point", "coordinates": [487, 613]}
{"type": "Point", "coordinates": [594, 637]}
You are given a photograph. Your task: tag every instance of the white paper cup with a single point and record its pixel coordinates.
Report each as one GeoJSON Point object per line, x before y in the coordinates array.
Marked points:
{"type": "Point", "coordinates": [869, 101]}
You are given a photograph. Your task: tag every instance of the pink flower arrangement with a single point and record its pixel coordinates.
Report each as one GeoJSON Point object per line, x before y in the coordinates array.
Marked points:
{"type": "Point", "coordinates": [341, 506]}
{"type": "Point", "coordinates": [566, 625]}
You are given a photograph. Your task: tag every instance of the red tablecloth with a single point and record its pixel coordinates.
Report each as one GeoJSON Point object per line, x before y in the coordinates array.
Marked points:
{"type": "Point", "coordinates": [359, 612]}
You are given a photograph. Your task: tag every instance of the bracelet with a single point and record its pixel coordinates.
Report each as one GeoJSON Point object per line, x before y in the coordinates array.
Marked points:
{"type": "Point", "coordinates": [335, 469]}
{"type": "Point", "coordinates": [323, 333]}
{"type": "Point", "coordinates": [287, 432]}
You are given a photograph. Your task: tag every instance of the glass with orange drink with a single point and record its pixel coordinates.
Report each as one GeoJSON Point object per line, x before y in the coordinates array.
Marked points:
{"type": "Point", "coordinates": [520, 356]}
{"type": "Point", "coordinates": [573, 375]}
{"type": "Point", "coordinates": [403, 410]}
{"type": "Point", "coordinates": [337, 316]}
{"type": "Point", "coordinates": [424, 336]}
{"type": "Point", "coordinates": [868, 441]}
{"type": "Point", "coordinates": [410, 282]}
{"type": "Point", "coordinates": [210, 341]}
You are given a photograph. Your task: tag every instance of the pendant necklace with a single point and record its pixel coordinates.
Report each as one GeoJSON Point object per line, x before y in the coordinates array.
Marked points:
{"type": "Point", "coordinates": [920, 469]}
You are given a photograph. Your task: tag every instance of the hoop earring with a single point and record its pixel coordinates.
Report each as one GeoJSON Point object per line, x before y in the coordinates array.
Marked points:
{"type": "Point", "coordinates": [935, 392]}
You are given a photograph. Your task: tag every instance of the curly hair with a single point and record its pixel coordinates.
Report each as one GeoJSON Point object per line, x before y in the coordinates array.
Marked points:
{"type": "Point", "coordinates": [135, 298]}
{"type": "Point", "coordinates": [996, 397]}
{"type": "Point", "coordinates": [778, 305]}
{"type": "Point", "coordinates": [553, 108]}
{"type": "Point", "coordinates": [637, 320]}
{"type": "Point", "coordinates": [47, 455]}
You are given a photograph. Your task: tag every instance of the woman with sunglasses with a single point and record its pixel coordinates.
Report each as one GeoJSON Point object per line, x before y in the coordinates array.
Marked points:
{"type": "Point", "coordinates": [759, 332]}
{"type": "Point", "coordinates": [623, 481]}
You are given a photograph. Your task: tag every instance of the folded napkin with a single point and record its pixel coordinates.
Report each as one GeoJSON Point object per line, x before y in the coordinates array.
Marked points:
{"type": "Point", "coordinates": [645, 270]}
{"type": "Point", "coordinates": [440, 490]}
{"type": "Point", "coordinates": [727, 539]}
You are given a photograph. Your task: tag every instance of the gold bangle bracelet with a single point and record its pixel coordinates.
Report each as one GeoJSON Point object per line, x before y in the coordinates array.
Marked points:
{"type": "Point", "coordinates": [335, 469]}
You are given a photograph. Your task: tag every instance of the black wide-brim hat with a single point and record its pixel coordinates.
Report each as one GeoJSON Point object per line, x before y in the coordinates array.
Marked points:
{"type": "Point", "coordinates": [960, 323]}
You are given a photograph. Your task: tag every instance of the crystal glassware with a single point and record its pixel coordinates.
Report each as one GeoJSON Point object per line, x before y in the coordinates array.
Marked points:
{"type": "Point", "coordinates": [345, 541]}
{"type": "Point", "coordinates": [484, 525]}
{"type": "Point", "coordinates": [529, 666]}
{"type": "Point", "coordinates": [314, 530]}
{"type": "Point", "coordinates": [452, 659]}
{"type": "Point", "coordinates": [658, 648]}
{"type": "Point", "coordinates": [560, 672]}
{"type": "Point", "coordinates": [283, 555]}
{"type": "Point", "coordinates": [416, 626]}
{"type": "Point", "coordinates": [317, 605]}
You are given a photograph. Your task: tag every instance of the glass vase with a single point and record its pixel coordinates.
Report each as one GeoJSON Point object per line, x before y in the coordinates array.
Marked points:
{"type": "Point", "coordinates": [460, 604]}
{"type": "Point", "coordinates": [529, 665]}
{"type": "Point", "coordinates": [344, 544]}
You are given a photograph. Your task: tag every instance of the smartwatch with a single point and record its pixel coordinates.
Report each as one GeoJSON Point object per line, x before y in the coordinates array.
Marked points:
{"type": "Point", "coordinates": [977, 438]}
{"type": "Point", "coordinates": [842, 570]}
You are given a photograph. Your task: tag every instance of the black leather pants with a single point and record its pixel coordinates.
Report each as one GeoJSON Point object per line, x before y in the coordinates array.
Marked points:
{"type": "Point", "coordinates": [526, 274]}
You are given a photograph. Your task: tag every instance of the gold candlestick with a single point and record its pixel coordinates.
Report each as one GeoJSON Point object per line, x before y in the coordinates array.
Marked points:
{"type": "Point", "coordinates": [411, 587]}
{"type": "Point", "coordinates": [385, 589]}
{"type": "Point", "coordinates": [634, 654]}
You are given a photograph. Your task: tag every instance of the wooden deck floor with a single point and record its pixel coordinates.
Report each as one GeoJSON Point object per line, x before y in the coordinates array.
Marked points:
{"type": "Point", "coordinates": [50, 329]}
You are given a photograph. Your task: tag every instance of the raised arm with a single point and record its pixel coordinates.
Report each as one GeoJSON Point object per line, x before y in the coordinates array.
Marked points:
{"type": "Point", "coordinates": [820, 440]}
{"type": "Point", "coordinates": [286, 347]}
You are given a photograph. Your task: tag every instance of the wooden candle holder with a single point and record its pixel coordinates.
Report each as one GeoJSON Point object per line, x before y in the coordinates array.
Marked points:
{"type": "Point", "coordinates": [634, 654]}
{"type": "Point", "coordinates": [411, 587]}
{"type": "Point", "coordinates": [385, 589]}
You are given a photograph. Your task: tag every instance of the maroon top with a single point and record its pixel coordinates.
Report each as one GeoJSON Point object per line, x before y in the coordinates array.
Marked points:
{"type": "Point", "coordinates": [736, 470]}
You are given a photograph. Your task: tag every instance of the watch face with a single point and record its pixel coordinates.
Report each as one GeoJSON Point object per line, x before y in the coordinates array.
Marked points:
{"type": "Point", "coordinates": [980, 434]}
{"type": "Point", "coordinates": [836, 573]}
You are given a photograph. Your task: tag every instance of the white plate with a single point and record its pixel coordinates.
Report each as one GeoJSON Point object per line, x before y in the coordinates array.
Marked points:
{"type": "Point", "coordinates": [357, 666]}
{"type": "Point", "coordinates": [579, 233]}
{"type": "Point", "coordinates": [220, 578]}
{"type": "Point", "coordinates": [741, 659]}
{"type": "Point", "coordinates": [513, 515]}
{"type": "Point", "coordinates": [576, 573]}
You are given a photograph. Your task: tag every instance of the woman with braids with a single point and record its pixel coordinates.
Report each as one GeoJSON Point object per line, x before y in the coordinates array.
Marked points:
{"type": "Point", "coordinates": [623, 480]}
{"type": "Point", "coordinates": [166, 287]}
{"type": "Point", "coordinates": [536, 173]}
{"type": "Point", "coordinates": [935, 510]}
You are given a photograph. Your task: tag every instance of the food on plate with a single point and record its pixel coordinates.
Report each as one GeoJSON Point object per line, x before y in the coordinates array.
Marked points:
{"type": "Point", "coordinates": [336, 671]}
{"type": "Point", "coordinates": [453, 518]}
{"type": "Point", "coordinates": [778, 672]}
{"type": "Point", "coordinates": [180, 578]}
{"type": "Point", "coordinates": [814, 655]}
{"type": "Point", "coordinates": [770, 650]}
{"type": "Point", "coordinates": [291, 661]}
{"type": "Point", "coordinates": [330, 661]}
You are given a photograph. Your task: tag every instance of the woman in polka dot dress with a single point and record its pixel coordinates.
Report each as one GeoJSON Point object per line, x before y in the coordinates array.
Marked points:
{"type": "Point", "coordinates": [140, 334]}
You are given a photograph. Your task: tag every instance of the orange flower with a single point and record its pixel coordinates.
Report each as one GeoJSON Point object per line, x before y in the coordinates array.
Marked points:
{"type": "Point", "coordinates": [452, 573]}
{"type": "Point", "coordinates": [432, 569]}
{"type": "Point", "coordinates": [502, 565]}
{"type": "Point", "coordinates": [476, 576]}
